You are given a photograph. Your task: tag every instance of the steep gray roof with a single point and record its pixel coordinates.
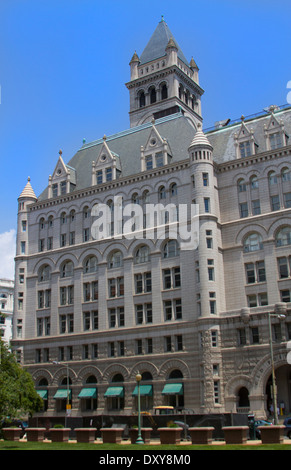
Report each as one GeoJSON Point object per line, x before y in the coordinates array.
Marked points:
{"type": "Point", "coordinates": [222, 140]}
{"type": "Point", "coordinates": [158, 43]}
{"type": "Point", "coordinates": [176, 129]}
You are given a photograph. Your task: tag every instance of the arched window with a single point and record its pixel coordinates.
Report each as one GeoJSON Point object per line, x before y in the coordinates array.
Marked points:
{"type": "Point", "coordinates": [50, 221]}
{"type": "Point", "coordinates": [86, 212]}
{"type": "Point", "coordinates": [162, 192]}
{"type": "Point", "coordinates": [171, 249]}
{"type": "Point", "coordinates": [164, 92]}
{"type": "Point", "coordinates": [176, 374]}
{"type": "Point", "coordinates": [72, 215]}
{"type": "Point", "coordinates": [41, 223]}
{"type": "Point", "coordinates": [67, 269]}
{"type": "Point", "coordinates": [115, 260]}
{"type": "Point", "coordinates": [141, 99]}
{"type": "Point", "coordinates": [63, 218]}
{"type": "Point", "coordinates": [272, 178]}
{"type": "Point", "coordinates": [146, 197]}
{"type": "Point", "coordinates": [283, 237]}
{"type": "Point", "coordinates": [91, 379]}
{"type": "Point", "coordinates": [254, 182]}
{"type": "Point", "coordinates": [117, 378]}
{"type": "Point", "coordinates": [174, 189]}
{"type": "Point", "coordinates": [135, 199]}
{"type": "Point", "coordinates": [142, 254]}
{"type": "Point", "coordinates": [286, 174]}
{"type": "Point", "coordinates": [153, 95]}
{"type": "Point", "coordinates": [243, 398]}
{"type": "Point", "coordinates": [241, 185]}
{"type": "Point", "coordinates": [44, 273]}
{"type": "Point", "coordinates": [91, 265]}
{"type": "Point", "coordinates": [253, 242]}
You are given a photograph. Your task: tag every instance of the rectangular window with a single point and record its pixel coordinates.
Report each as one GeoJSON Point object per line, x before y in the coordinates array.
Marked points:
{"type": "Point", "coordinates": [207, 204]}
{"type": "Point", "coordinates": [252, 300]}
{"type": "Point", "coordinates": [287, 200]}
{"type": "Point", "coordinates": [242, 340]}
{"type": "Point", "coordinates": [285, 295]}
{"type": "Point", "coordinates": [275, 203]}
{"type": "Point", "coordinates": [168, 344]}
{"type": "Point", "coordinates": [99, 176]}
{"type": "Point", "coordinates": [179, 342]}
{"type": "Point", "coordinates": [245, 149]}
{"type": "Point", "coordinates": [283, 268]}
{"type": "Point", "coordinates": [214, 339]}
{"type": "Point", "coordinates": [205, 179]}
{"type": "Point", "coordinates": [256, 207]}
{"type": "Point", "coordinates": [108, 173]}
{"type": "Point", "coordinates": [250, 273]}
{"type": "Point", "coordinates": [275, 140]}
{"type": "Point", "coordinates": [149, 346]}
{"type": "Point", "coordinates": [255, 339]}
{"type": "Point", "coordinates": [243, 210]}
{"type": "Point", "coordinates": [263, 298]}
{"type": "Point", "coordinates": [149, 162]}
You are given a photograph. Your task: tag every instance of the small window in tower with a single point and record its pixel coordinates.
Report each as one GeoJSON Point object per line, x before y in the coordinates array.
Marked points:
{"type": "Point", "coordinates": [153, 95]}
{"type": "Point", "coordinates": [142, 100]}
{"type": "Point", "coordinates": [164, 92]}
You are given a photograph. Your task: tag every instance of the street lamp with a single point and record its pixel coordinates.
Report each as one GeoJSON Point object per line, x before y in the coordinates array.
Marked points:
{"type": "Point", "coordinates": [274, 387]}
{"type": "Point", "coordinates": [139, 438]}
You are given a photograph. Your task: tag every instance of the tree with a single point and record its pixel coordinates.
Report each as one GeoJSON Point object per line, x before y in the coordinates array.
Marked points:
{"type": "Point", "coordinates": [17, 393]}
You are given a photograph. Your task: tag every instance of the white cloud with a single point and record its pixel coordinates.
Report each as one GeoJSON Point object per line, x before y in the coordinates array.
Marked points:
{"type": "Point", "coordinates": [7, 254]}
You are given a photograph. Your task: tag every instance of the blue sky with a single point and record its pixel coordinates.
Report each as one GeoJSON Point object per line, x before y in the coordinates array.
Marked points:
{"type": "Point", "coordinates": [63, 65]}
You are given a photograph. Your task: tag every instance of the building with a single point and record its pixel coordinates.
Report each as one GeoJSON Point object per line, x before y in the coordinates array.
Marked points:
{"type": "Point", "coordinates": [6, 309]}
{"type": "Point", "coordinates": [89, 314]}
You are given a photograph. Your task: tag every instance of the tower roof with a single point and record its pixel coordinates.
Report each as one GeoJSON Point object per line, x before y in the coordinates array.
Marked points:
{"type": "Point", "coordinates": [28, 191]}
{"type": "Point", "coordinates": [200, 138]}
{"type": "Point", "coordinates": [157, 44]}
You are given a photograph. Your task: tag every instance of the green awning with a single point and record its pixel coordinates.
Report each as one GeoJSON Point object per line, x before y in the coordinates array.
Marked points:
{"type": "Point", "coordinates": [145, 390]}
{"type": "Point", "coordinates": [173, 389]}
{"type": "Point", "coordinates": [88, 393]}
{"type": "Point", "coordinates": [114, 392]}
{"type": "Point", "coordinates": [62, 393]}
{"type": "Point", "coordinates": [43, 394]}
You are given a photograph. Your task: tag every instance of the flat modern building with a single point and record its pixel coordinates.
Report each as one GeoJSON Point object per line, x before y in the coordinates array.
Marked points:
{"type": "Point", "coordinates": [102, 294]}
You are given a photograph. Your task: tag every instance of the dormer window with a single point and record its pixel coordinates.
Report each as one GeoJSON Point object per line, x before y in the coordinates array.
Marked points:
{"type": "Point", "coordinates": [274, 132]}
{"type": "Point", "coordinates": [107, 166]}
{"type": "Point", "coordinates": [245, 149]}
{"type": "Point", "coordinates": [244, 141]}
{"type": "Point", "coordinates": [63, 179]}
{"type": "Point", "coordinates": [156, 152]}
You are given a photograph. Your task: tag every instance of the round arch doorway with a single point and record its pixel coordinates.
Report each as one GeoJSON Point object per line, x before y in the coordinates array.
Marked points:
{"type": "Point", "coordinates": [283, 381]}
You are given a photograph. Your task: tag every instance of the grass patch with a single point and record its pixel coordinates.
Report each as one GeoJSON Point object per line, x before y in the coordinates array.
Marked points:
{"type": "Point", "coordinates": [46, 446]}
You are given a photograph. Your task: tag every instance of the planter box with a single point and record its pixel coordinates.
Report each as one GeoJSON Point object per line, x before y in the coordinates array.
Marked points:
{"type": "Point", "coordinates": [85, 434]}
{"type": "Point", "coordinates": [272, 434]}
{"type": "Point", "coordinates": [111, 435]}
{"type": "Point", "coordinates": [201, 435]}
{"type": "Point", "coordinates": [235, 434]}
{"type": "Point", "coordinates": [145, 434]}
{"type": "Point", "coordinates": [35, 434]}
{"type": "Point", "coordinates": [59, 434]}
{"type": "Point", "coordinates": [12, 434]}
{"type": "Point", "coordinates": [170, 435]}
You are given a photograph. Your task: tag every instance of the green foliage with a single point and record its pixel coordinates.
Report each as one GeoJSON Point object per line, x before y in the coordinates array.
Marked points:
{"type": "Point", "coordinates": [17, 392]}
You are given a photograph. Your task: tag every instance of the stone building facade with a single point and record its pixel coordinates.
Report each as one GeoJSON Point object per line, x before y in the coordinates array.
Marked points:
{"type": "Point", "coordinates": [91, 312]}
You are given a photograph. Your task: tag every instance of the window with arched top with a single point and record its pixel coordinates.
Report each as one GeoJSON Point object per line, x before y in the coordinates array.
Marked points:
{"type": "Point", "coordinates": [286, 174]}
{"type": "Point", "coordinates": [283, 237]}
{"type": "Point", "coordinates": [175, 374]}
{"type": "Point", "coordinates": [142, 254]}
{"type": "Point", "coordinates": [91, 265]}
{"type": "Point", "coordinates": [153, 95]}
{"type": "Point", "coordinates": [117, 378]}
{"type": "Point", "coordinates": [63, 218]}
{"type": "Point", "coordinates": [253, 242]}
{"type": "Point", "coordinates": [272, 178]}
{"type": "Point", "coordinates": [174, 189]}
{"type": "Point", "coordinates": [241, 185]}
{"type": "Point", "coordinates": [41, 223]}
{"type": "Point", "coordinates": [67, 269]}
{"type": "Point", "coordinates": [141, 99]}
{"type": "Point", "coordinates": [164, 92]}
{"type": "Point", "coordinates": [162, 192]}
{"type": "Point", "coordinates": [86, 212]}
{"type": "Point", "coordinates": [115, 260]}
{"type": "Point", "coordinates": [171, 249]}
{"type": "Point", "coordinates": [135, 199]}
{"type": "Point", "coordinates": [254, 182]}
{"type": "Point", "coordinates": [44, 273]}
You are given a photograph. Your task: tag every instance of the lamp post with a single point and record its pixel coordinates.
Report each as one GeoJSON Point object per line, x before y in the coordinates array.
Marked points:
{"type": "Point", "coordinates": [139, 438]}
{"type": "Point", "coordinates": [274, 386]}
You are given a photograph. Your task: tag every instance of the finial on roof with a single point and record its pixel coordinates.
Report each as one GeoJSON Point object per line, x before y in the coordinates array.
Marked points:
{"type": "Point", "coordinates": [153, 121]}
{"type": "Point", "coordinates": [162, 18]}
{"type": "Point", "coordinates": [242, 117]}
{"type": "Point", "coordinates": [28, 179]}
{"type": "Point", "coordinates": [104, 137]}
{"type": "Point", "coordinates": [84, 141]}
{"type": "Point", "coordinates": [60, 152]}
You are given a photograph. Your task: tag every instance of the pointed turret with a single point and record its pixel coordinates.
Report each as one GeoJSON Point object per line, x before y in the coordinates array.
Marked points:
{"type": "Point", "coordinates": [28, 192]}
